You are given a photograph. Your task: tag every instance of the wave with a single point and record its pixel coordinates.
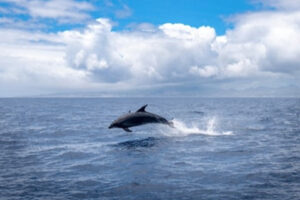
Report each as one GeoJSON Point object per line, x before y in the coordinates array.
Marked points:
{"type": "Point", "coordinates": [183, 129]}
{"type": "Point", "coordinates": [147, 142]}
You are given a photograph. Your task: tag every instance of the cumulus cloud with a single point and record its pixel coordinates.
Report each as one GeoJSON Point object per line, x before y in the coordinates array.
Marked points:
{"type": "Point", "coordinates": [174, 51]}
{"type": "Point", "coordinates": [206, 71]}
{"type": "Point", "coordinates": [260, 54]}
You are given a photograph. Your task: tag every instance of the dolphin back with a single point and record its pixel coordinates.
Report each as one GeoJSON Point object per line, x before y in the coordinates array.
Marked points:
{"type": "Point", "coordinates": [140, 118]}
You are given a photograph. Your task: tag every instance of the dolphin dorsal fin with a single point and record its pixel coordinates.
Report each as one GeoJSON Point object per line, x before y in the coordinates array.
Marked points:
{"type": "Point", "coordinates": [142, 109]}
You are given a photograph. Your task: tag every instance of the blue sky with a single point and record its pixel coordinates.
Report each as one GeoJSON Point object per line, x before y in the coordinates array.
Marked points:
{"type": "Point", "coordinates": [150, 48]}
{"type": "Point", "coordinates": [196, 13]}
{"type": "Point", "coordinates": [192, 12]}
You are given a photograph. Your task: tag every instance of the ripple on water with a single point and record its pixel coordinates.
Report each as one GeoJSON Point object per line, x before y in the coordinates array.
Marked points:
{"type": "Point", "coordinates": [75, 155]}
{"type": "Point", "coordinates": [147, 142]}
{"type": "Point", "coordinates": [89, 168]}
{"type": "Point", "coordinates": [224, 149]}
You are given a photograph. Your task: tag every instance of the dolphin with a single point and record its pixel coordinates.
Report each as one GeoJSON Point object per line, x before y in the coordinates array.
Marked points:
{"type": "Point", "coordinates": [140, 117]}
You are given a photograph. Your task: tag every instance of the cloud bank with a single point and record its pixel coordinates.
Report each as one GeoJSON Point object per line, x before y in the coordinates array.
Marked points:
{"type": "Point", "coordinates": [260, 56]}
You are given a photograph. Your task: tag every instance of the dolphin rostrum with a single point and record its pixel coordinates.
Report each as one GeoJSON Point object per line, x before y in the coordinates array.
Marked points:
{"type": "Point", "coordinates": [137, 118]}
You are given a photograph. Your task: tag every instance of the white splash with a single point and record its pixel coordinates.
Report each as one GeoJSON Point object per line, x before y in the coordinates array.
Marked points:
{"type": "Point", "coordinates": [182, 129]}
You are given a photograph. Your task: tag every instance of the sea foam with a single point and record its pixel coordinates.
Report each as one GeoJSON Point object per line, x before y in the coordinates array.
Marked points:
{"type": "Point", "coordinates": [183, 129]}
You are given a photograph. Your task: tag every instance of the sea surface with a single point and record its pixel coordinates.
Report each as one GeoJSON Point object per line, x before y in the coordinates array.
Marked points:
{"type": "Point", "coordinates": [222, 148]}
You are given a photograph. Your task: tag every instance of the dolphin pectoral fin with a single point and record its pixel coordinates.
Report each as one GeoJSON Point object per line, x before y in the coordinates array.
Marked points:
{"type": "Point", "coordinates": [127, 130]}
{"type": "Point", "coordinates": [142, 109]}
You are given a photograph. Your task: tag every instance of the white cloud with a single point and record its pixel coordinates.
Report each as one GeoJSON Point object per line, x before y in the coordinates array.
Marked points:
{"type": "Point", "coordinates": [272, 39]}
{"type": "Point", "coordinates": [93, 63]}
{"type": "Point", "coordinates": [33, 63]}
{"type": "Point", "coordinates": [206, 71]}
{"type": "Point", "coordinates": [177, 48]}
{"type": "Point", "coordinates": [185, 32]}
{"type": "Point", "coordinates": [139, 56]}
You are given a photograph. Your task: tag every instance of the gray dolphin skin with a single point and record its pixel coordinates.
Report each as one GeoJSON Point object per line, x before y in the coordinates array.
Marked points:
{"type": "Point", "coordinates": [138, 118]}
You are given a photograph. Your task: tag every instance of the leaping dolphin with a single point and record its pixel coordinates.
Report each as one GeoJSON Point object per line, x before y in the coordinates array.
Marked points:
{"type": "Point", "coordinates": [137, 118]}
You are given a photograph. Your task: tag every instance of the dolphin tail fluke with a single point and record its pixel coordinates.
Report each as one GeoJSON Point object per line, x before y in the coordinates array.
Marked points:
{"type": "Point", "coordinates": [127, 130]}
{"type": "Point", "coordinates": [171, 124]}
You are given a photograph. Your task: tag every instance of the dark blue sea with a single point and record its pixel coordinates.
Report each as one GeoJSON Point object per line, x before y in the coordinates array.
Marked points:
{"type": "Point", "coordinates": [222, 148]}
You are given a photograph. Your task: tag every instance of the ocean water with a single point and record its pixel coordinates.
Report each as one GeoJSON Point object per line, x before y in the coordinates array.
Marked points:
{"type": "Point", "coordinates": [223, 148]}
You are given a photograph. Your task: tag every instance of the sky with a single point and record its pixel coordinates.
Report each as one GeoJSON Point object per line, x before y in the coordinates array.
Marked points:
{"type": "Point", "coordinates": [208, 48]}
